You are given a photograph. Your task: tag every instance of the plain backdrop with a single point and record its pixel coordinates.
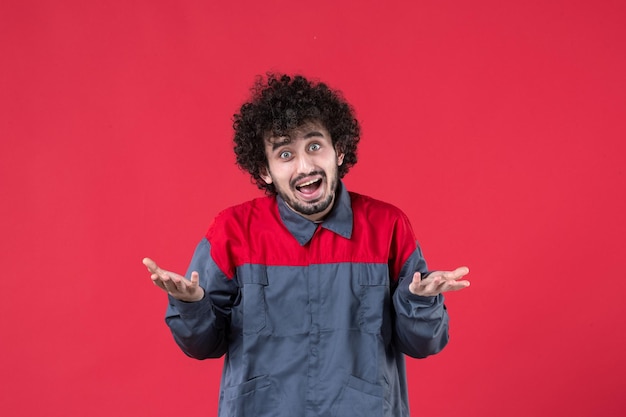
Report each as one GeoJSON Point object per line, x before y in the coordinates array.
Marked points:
{"type": "Point", "coordinates": [497, 126]}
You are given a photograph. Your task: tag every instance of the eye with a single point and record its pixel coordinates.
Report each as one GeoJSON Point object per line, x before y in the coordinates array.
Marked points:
{"type": "Point", "coordinates": [314, 147]}
{"type": "Point", "coordinates": [285, 155]}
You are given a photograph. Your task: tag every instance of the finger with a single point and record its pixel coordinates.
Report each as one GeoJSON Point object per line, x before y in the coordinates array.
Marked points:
{"type": "Point", "coordinates": [178, 282]}
{"type": "Point", "coordinates": [160, 285]}
{"type": "Point", "coordinates": [457, 273]}
{"type": "Point", "coordinates": [456, 285]}
{"type": "Point", "coordinates": [156, 280]}
{"type": "Point", "coordinates": [161, 278]}
{"type": "Point", "coordinates": [170, 281]}
{"type": "Point", "coordinates": [163, 275]}
{"type": "Point", "coordinates": [438, 284]}
{"type": "Point", "coordinates": [195, 279]}
{"type": "Point", "coordinates": [167, 287]}
{"type": "Point", "coordinates": [414, 286]}
{"type": "Point", "coordinates": [150, 264]}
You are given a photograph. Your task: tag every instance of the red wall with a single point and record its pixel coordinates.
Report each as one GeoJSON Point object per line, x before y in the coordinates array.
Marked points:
{"type": "Point", "coordinates": [497, 126]}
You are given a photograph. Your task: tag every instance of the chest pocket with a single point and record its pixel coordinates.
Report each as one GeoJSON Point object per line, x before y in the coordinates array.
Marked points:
{"type": "Point", "coordinates": [355, 297]}
{"type": "Point", "coordinates": [374, 300]}
{"type": "Point", "coordinates": [254, 280]}
{"type": "Point", "coordinates": [275, 300]}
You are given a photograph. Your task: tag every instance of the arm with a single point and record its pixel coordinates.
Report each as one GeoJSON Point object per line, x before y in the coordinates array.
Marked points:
{"type": "Point", "coordinates": [421, 319]}
{"type": "Point", "coordinates": [421, 316]}
{"type": "Point", "coordinates": [421, 322]}
{"type": "Point", "coordinates": [198, 318]}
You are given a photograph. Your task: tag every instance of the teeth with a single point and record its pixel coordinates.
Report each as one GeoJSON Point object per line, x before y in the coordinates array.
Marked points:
{"type": "Point", "coordinates": [308, 183]}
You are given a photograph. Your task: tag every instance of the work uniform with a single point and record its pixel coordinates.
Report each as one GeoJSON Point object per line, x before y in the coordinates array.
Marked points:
{"type": "Point", "coordinates": [314, 318]}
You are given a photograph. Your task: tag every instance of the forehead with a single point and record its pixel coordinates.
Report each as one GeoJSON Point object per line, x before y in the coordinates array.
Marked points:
{"type": "Point", "coordinates": [307, 130]}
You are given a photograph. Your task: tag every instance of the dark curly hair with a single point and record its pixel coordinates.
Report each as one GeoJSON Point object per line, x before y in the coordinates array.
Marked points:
{"type": "Point", "coordinates": [281, 103]}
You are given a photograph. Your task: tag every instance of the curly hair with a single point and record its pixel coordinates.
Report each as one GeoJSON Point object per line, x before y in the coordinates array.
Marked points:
{"type": "Point", "coordinates": [281, 103]}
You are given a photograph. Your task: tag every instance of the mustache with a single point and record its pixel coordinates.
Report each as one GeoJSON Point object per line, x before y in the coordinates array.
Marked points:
{"type": "Point", "coordinates": [303, 176]}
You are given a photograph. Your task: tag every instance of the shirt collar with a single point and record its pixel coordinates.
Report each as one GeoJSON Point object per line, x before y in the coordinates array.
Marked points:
{"type": "Point", "coordinates": [339, 220]}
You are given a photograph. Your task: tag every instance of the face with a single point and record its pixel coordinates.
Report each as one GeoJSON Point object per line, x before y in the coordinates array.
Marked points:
{"type": "Point", "coordinates": [303, 168]}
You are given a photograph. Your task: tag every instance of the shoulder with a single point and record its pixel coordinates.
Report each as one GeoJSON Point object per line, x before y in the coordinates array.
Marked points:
{"type": "Point", "coordinates": [369, 212]}
{"type": "Point", "coordinates": [363, 204]}
{"type": "Point", "coordinates": [238, 217]}
{"type": "Point", "coordinates": [242, 210]}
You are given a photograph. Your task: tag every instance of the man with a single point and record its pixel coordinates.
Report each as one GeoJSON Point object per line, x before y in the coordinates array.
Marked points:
{"type": "Point", "coordinates": [313, 293]}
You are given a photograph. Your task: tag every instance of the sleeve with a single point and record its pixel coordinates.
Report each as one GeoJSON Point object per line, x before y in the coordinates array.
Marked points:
{"type": "Point", "coordinates": [421, 323]}
{"type": "Point", "coordinates": [201, 328]}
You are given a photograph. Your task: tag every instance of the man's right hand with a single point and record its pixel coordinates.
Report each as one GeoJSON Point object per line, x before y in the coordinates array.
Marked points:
{"type": "Point", "coordinates": [175, 285]}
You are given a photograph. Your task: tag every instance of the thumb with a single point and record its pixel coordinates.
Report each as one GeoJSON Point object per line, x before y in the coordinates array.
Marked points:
{"type": "Point", "coordinates": [195, 279]}
{"type": "Point", "coordinates": [414, 285]}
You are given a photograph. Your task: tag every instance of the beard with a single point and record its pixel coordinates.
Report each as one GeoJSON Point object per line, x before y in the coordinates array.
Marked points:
{"type": "Point", "coordinates": [309, 208]}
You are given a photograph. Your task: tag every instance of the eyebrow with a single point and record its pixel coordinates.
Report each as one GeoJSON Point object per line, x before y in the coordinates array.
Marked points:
{"type": "Point", "coordinates": [278, 144]}
{"type": "Point", "coordinates": [286, 139]}
{"type": "Point", "coordinates": [313, 133]}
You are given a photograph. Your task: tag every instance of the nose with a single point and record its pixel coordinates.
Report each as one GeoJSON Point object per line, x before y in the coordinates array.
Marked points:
{"type": "Point", "coordinates": [305, 163]}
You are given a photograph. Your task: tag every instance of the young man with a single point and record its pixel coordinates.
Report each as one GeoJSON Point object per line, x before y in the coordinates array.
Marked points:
{"type": "Point", "coordinates": [313, 293]}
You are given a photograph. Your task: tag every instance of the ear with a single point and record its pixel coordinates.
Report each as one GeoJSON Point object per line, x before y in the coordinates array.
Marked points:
{"type": "Point", "coordinates": [340, 158]}
{"type": "Point", "coordinates": [264, 173]}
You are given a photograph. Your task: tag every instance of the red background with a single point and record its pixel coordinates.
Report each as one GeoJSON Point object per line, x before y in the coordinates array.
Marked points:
{"type": "Point", "coordinates": [497, 126]}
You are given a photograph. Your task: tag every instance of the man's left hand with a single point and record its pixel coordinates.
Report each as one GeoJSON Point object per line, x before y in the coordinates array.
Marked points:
{"type": "Point", "coordinates": [439, 281]}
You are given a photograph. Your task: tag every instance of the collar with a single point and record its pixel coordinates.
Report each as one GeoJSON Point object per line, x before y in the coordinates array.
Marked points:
{"type": "Point", "coordinates": [339, 220]}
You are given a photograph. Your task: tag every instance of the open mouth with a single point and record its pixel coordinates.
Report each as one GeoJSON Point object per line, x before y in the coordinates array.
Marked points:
{"type": "Point", "coordinates": [309, 187]}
